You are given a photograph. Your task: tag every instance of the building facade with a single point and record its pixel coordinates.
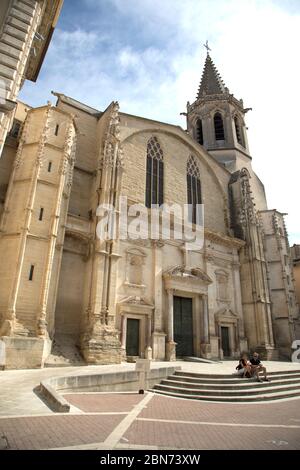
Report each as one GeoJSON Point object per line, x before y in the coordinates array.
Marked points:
{"type": "Point", "coordinates": [295, 255]}
{"type": "Point", "coordinates": [148, 297]}
{"type": "Point", "coordinates": [26, 28]}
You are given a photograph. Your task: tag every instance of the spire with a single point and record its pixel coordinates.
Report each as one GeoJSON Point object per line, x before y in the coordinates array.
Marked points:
{"type": "Point", "coordinates": [211, 81]}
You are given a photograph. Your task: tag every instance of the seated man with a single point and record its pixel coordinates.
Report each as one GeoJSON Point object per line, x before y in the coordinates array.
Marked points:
{"type": "Point", "coordinates": [257, 367]}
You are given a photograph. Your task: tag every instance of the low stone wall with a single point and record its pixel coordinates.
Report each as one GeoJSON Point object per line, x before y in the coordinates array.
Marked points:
{"type": "Point", "coordinates": [106, 382]}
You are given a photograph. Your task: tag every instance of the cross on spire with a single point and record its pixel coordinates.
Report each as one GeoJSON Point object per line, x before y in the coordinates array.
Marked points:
{"type": "Point", "coordinates": [207, 47]}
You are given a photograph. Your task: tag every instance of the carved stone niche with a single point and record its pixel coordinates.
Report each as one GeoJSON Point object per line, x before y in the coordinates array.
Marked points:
{"type": "Point", "coordinates": [222, 278]}
{"type": "Point", "coordinates": [134, 272]}
{"type": "Point", "coordinates": [226, 318]}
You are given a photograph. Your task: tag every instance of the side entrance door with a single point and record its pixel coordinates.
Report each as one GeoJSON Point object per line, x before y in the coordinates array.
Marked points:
{"type": "Point", "coordinates": [225, 341]}
{"type": "Point", "coordinates": [133, 337]}
{"type": "Point", "coordinates": [183, 326]}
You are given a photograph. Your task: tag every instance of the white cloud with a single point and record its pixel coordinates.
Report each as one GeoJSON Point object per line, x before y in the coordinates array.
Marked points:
{"type": "Point", "coordinates": [152, 60]}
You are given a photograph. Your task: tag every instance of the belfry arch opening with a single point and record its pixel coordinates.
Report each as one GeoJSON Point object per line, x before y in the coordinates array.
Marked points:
{"type": "Point", "coordinates": [219, 127]}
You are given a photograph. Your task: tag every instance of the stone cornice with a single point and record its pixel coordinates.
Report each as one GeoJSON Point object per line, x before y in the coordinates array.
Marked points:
{"type": "Point", "coordinates": [46, 27]}
{"type": "Point", "coordinates": [225, 97]}
{"type": "Point", "coordinates": [223, 239]}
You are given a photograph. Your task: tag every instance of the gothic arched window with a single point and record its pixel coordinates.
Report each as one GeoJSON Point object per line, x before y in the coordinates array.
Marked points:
{"type": "Point", "coordinates": [199, 132]}
{"type": "Point", "coordinates": [193, 187]}
{"type": "Point", "coordinates": [155, 173]}
{"type": "Point", "coordinates": [238, 130]}
{"type": "Point", "coordinates": [219, 127]}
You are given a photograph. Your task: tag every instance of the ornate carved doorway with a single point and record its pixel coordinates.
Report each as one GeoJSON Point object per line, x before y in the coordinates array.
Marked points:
{"type": "Point", "coordinates": [183, 326]}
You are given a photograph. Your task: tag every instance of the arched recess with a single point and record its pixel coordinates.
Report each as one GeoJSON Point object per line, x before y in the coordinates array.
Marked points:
{"type": "Point", "coordinates": [219, 126]}
{"type": "Point", "coordinates": [199, 132]}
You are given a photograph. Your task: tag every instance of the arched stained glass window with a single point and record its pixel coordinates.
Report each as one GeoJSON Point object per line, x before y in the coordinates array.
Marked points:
{"type": "Point", "coordinates": [194, 196]}
{"type": "Point", "coordinates": [155, 173]}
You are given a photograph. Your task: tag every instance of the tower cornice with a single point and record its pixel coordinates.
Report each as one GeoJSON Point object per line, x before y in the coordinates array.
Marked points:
{"type": "Point", "coordinates": [225, 98]}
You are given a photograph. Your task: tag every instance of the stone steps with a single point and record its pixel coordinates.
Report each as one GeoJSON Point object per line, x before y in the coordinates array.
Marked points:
{"type": "Point", "coordinates": [226, 376]}
{"type": "Point", "coordinates": [249, 384]}
{"type": "Point", "coordinates": [224, 388]}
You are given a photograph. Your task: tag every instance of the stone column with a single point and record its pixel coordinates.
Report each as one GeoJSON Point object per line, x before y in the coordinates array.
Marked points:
{"type": "Point", "coordinates": [170, 315]}
{"type": "Point", "coordinates": [158, 336]}
{"type": "Point", "coordinates": [205, 319]}
{"type": "Point", "coordinates": [241, 340]}
{"type": "Point", "coordinates": [157, 284]}
{"type": "Point", "coordinates": [205, 346]}
{"type": "Point", "coordinates": [124, 332]}
{"type": "Point", "coordinates": [148, 351]}
{"type": "Point", "coordinates": [171, 345]}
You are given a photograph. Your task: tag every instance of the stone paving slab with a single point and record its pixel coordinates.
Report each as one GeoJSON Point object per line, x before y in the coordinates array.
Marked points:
{"type": "Point", "coordinates": [100, 402]}
{"type": "Point", "coordinates": [43, 432]}
{"type": "Point", "coordinates": [192, 436]}
{"type": "Point", "coordinates": [154, 421]}
{"type": "Point", "coordinates": [164, 407]}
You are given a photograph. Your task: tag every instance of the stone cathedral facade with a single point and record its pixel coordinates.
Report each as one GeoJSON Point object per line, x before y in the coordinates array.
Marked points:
{"type": "Point", "coordinates": [124, 298]}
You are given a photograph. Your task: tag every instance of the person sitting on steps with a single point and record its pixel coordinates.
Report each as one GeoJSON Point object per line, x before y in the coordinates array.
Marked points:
{"type": "Point", "coordinates": [244, 367]}
{"type": "Point", "coordinates": [257, 367]}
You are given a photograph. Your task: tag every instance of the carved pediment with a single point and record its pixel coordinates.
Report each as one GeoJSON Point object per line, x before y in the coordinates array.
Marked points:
{"type": "Point", "coordinates": [135, 305]}
{"type": "Point", "coordinates": [135, 300]}
{"type": "Point", "coordinates": [183, 272]}
{"type": "Point", "coordinates": [226, 313]}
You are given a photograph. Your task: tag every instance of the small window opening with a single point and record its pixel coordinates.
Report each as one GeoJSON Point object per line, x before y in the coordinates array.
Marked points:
{"type": "Point", "coordinates": [199, 132]}
{"type": "Point", "coordinates": [49, 167]}
{"type": "Point", "coordinates": [56, 129]}
{"type": "Point", "coordinates": [219, 127]}
{"type": "Point", "coordinates": [41, 213]}
{"type": "Point", "coordinates": [31, 272]}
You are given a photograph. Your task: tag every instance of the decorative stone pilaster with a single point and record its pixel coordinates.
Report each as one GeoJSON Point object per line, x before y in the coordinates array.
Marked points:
{"type": "Point", "coordinates": [100, 342]}
{"type": "Point", "coordinates": [171, 345]}
{"type": "Point", "coordinates": [254, 277]}
{"type": "Point", "coordinates": [205, 344]}
{"type": "Point", "coordinates": [67, 162]}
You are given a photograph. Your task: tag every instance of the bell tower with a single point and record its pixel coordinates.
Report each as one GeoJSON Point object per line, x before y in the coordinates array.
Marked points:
{"type": "Point", "coordinates": [217, 120]}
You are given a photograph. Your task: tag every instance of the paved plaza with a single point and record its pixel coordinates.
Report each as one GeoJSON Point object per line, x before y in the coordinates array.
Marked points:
{"type": "Point", "coordinates": [128, 420]}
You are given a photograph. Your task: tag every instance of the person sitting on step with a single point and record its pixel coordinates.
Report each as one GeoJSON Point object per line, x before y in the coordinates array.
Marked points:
{"type": "Point", "coordinates": [243, 369]}
{"type": "Point", "coordinates": [257, 367]}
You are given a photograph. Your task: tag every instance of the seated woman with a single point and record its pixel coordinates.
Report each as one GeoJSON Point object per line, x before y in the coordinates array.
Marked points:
{"type": "Point", "coordinates": [244, 367]}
